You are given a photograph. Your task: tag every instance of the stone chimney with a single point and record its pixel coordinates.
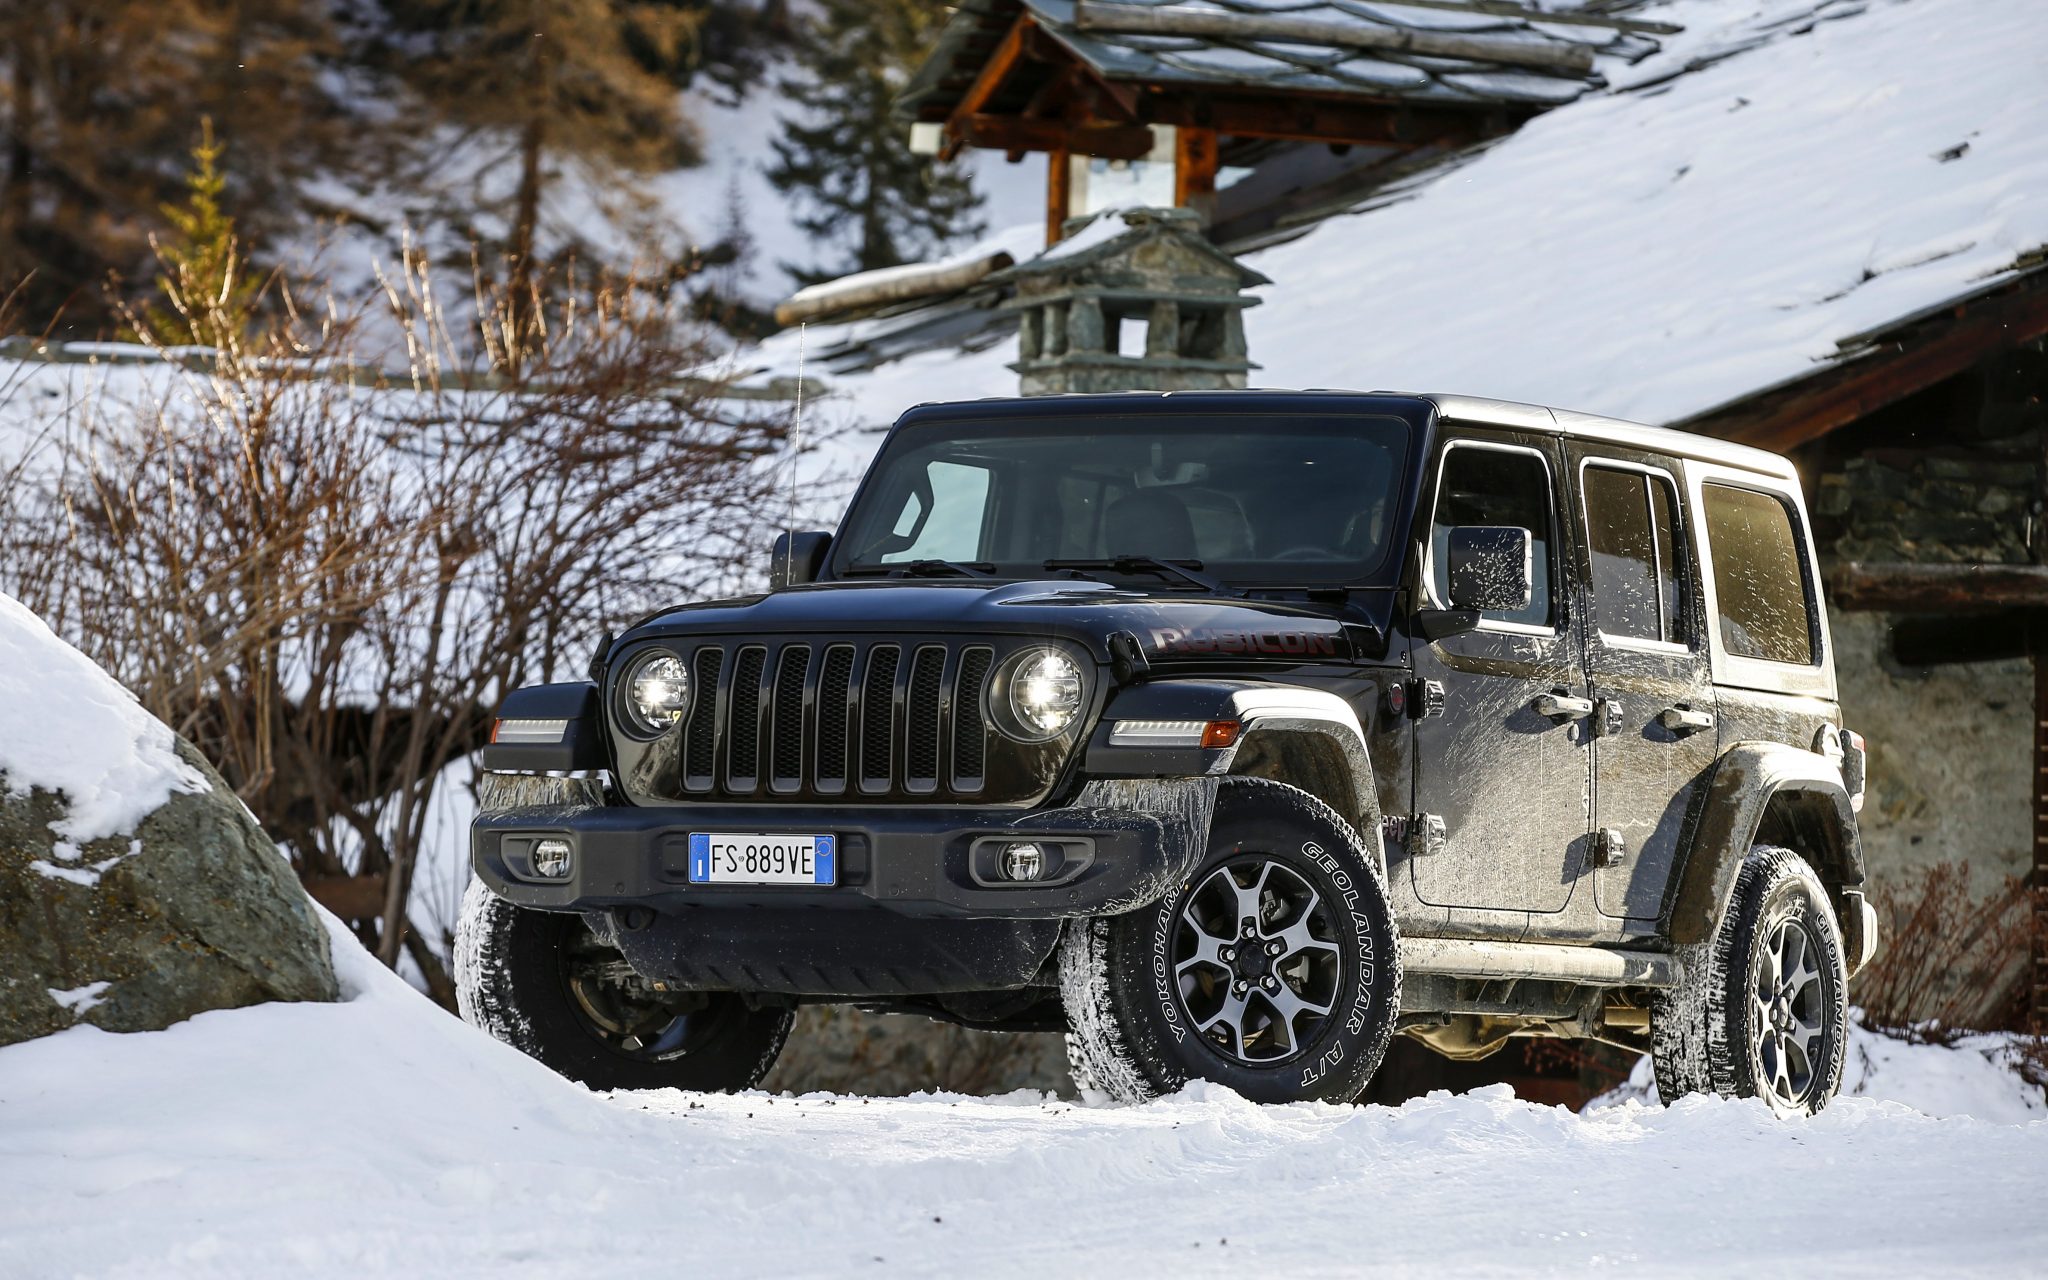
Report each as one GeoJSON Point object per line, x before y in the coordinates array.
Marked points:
{"type": "Point", "coordinates": [1131, 300]}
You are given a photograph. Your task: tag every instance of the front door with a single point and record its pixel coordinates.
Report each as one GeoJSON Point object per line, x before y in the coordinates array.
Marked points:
{"type": "Point", "coordinates": [1648, 664]}
{"type": "Point", "coordinates": [1503, 763]}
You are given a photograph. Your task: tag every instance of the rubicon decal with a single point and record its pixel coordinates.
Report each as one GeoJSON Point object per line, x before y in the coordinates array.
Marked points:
{"type": "Point", "coordinates": [1239, 640]}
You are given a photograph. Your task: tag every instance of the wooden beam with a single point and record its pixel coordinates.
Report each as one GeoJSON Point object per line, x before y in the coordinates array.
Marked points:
{"type": "Point", "coordinates": [1937, 588]}
{"type": "Point", "coordinates": [1309, 119]}
{"type": "Point", "coordinates": [993, 72]}
{"type": "Point", "coordinates": [1913, 360]}
{"type": "Point", "coordinates": [1194, 171]}
{"type": "Point", "coordinates": [1051, 98]}
{"type": "Point", "coordinates": [1101, 92]}
{"type": "Point", "coordinates": [1059, 186]}
{"type": "Point", "coordinates": [1014, 133]}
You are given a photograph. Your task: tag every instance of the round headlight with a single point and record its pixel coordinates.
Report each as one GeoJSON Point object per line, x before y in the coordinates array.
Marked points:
{"type": "Point", "coordinates": [1046, 692]}
{"type": "Point", "coordinates": [657, 691]}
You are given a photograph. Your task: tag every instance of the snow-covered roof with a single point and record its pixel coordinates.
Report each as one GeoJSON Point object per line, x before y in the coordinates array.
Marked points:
{"type": "Point", "coordinates": [1781, 178]}
{"type": "Point", "coordinates": [1695, 234]}
{"type": "Point", "coordinates": [1444, 52]}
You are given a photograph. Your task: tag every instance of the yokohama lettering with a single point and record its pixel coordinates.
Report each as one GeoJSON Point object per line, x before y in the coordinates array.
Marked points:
{"type": "Point", "coordinates": [1162, 980]}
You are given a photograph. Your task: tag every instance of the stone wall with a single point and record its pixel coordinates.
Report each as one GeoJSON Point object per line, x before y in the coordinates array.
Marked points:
{"type": "Point", "coordinates": [1951, 742]}
{"type": "Point", "coordinates": [1949, 506]}
{"type": "Point", "coordinates": [1951, 757]}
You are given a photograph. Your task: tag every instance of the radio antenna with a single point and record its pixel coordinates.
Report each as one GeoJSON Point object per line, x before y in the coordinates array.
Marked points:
{"type": "Point", "coordinates": [796, 431]}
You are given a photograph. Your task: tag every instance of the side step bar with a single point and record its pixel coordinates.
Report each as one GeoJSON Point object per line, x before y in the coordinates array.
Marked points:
{"type": "Point", "coordinates": [1589, 966]}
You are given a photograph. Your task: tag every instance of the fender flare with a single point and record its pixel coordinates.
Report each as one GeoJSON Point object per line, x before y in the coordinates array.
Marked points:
{"type": "Point", "coordinates": [1272, 717]}
{"type": "Point", "coordinates": [1779, 792]}
{"type": "Point", "coordinates": [546, 727]}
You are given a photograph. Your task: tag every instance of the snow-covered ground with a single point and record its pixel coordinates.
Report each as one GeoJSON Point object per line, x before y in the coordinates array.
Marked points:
{"type": "Point", "coordinates": [1976, 1076]}
{"type": "Point", "coordinates": [382, 1137]}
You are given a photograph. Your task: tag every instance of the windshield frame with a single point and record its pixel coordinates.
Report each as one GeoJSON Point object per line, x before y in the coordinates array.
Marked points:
{"type": "Point", "coordinates": [1407, 450]}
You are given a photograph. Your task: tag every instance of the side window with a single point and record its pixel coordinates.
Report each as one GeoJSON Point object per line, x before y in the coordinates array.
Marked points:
{"type": "Point", "coordinates": [942, 519]}
{"type": "Point", "coordinates": [1496, 486]}
{"type": "Point", "coordinates": [1759, 579]}
{"type": "Point", "coordinates": [1632, 530]}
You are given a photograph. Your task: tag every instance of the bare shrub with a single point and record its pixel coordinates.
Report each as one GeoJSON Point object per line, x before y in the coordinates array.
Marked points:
{"type": "Point", "coordinates": [1950, 960]}
{"type": "Point", "coordinates": [327, 580]}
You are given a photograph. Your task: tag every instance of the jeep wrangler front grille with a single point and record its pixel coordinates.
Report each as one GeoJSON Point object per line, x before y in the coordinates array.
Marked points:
{"type": "Point", "coordinates": [867, 720]}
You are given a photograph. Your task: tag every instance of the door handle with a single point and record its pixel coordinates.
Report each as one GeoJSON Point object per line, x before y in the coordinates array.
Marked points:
{"type": "Point", "coordinates": [1682, 720]}
{"type": "Point", "coordinates": [1558, 705]}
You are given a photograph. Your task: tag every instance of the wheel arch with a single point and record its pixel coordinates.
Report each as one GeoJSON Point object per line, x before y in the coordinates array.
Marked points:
{"type": "Point", "coordinates": [1306, 738]}
{"type": "Point", "coordinates": [1321, 759]}
{"type": "Point", "coordinates": [1767, 792]}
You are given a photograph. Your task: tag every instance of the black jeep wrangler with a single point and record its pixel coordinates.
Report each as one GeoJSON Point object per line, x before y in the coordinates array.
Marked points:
{"type": "Point", "coordinates": [1232, 732]}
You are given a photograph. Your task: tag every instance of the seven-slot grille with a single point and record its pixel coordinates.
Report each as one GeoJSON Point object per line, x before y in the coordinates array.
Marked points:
{"type": "Point", "coordinates": [837, 718]}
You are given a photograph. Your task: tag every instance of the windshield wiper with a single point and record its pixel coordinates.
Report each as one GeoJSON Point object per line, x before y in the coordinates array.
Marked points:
{"type": "Point", "coordinates": [932, 569]}
{"type": "Point", "coordinates": [1188, 571]}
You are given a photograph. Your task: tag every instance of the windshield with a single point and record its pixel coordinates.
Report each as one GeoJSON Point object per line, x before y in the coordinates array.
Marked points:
{"type": "Point", "coordinates": [1249, 499]}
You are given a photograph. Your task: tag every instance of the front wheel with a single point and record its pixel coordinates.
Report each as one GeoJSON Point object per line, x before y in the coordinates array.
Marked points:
{"type": "Point", "coordinates": [1762, 1011]}
{"type": "Point", "coordinates": [543, 983]}
{"type": "Point", "coordinates": [1273, 969]}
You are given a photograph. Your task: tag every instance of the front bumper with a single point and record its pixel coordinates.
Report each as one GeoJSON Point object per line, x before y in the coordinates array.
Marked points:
{"type": "Point", "coordinates": [920, 863]}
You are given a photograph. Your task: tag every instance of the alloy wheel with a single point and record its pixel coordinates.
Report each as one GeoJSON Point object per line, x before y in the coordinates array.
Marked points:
{"type": "Point", "coordinates": [1256, 961]}
{"type": "Point", "coordinates": [1788, 1010]}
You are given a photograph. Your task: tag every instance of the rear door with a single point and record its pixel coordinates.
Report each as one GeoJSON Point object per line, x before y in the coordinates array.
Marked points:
{"type": "Point", "coordinates": [1510, 784]}
{"type": "Point", "coordinates": [1646, 657]}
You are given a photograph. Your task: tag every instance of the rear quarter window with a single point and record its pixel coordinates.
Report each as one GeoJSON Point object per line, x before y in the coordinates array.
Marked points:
{"type": "Point", "coordinates": [1760, 579]}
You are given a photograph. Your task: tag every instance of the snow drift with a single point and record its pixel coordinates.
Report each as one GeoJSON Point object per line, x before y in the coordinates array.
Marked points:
{"type": "Point", "coordinates": [381, 1136]}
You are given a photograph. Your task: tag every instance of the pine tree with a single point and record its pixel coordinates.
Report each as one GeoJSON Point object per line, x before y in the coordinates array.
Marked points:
{"type": "Point", "coordinates": [561, 83]}
{"type": "Point", "coordinates": [847, 160]}
{"type": "Point", "coordinates": [210, 291]}
{"type": "Point", "coordinates": [99, 100]}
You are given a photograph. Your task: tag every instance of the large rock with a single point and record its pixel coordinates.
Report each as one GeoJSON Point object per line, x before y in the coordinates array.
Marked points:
{"type": "Point", "coordinates": [195, 910]}
{"type": "Point", "coordinates": [135, 889]}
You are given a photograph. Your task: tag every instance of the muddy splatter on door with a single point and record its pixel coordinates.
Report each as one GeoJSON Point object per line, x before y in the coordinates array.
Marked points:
{"type": "Point", "coordinates": [1500, 754]}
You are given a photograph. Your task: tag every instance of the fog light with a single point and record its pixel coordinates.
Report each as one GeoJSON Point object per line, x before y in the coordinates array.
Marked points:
{"type": "Point", "coordinates": [1024, 862]}
{"type": "Point", "coordinates": [551, 859]}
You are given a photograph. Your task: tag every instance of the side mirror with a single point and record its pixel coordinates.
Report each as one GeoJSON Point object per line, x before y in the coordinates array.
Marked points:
{"type": "Point", "coordinates": [1490, 568]}
{"type": "Point", "coordinates": [797, 559]}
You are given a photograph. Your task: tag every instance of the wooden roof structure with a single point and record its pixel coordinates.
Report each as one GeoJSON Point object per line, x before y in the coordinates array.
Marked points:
{"type": "Point", "coordinates": [1885, 365]}
{"type": "Point", "coordinates": [1094, 77]}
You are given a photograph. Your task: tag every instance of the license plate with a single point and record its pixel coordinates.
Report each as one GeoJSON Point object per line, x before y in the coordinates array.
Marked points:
{"type": "Point", "coordinates": [758, 859]}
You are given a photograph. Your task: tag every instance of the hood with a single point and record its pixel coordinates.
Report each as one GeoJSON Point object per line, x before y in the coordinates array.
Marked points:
{"type": "Point", "coordinates": [1169, 625]}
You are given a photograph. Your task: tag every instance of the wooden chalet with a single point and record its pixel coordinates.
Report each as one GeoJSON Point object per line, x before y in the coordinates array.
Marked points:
{"type": "Point", "coordinates": [1305, 93]}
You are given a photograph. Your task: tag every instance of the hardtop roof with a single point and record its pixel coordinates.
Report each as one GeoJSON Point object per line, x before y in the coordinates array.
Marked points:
{"type": "Point", "coordinates": [1470, 410]}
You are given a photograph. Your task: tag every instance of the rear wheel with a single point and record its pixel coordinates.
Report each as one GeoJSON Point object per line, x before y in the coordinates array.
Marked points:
{"type": "Point", "coordinates": [545, 984]}
{"type": "Point", "coordinates": [1272, 970]}
{"type": "Point", "coordinates": [1763, 1009]}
